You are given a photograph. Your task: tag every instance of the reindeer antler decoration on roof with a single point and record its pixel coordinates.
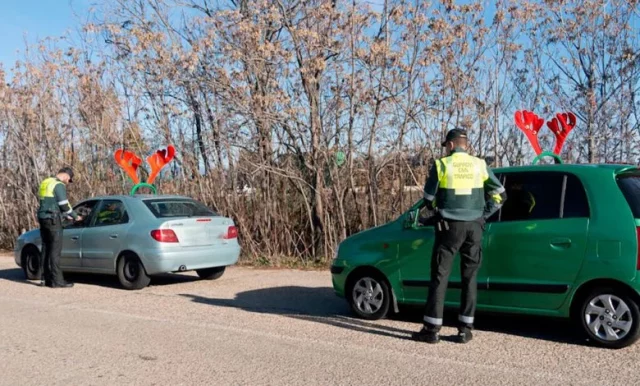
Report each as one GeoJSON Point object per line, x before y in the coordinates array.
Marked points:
{"type": "Point", "coordinates": [529, 123]}
{"type": "Point", "coordinates": [129, 162]}
{"type": "Point", "coordinates": [567, 121]}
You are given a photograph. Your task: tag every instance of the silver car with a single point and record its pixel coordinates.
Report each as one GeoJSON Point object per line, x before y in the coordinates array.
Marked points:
{"type": "Point", "coordinates": [134, 237]}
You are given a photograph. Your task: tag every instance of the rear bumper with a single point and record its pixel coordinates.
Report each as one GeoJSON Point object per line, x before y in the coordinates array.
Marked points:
{"type": "Point", "coordinates": [160, 261]}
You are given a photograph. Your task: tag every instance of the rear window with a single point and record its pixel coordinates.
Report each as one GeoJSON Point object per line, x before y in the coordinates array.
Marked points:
{"type": "Point", "coordinates": [630, 187]}
{"type": "Point", "coordinates": [162, 208]}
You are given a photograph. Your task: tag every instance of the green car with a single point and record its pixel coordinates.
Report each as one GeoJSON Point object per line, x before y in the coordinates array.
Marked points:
{"type": "Point", "coordinates": [565, 244]}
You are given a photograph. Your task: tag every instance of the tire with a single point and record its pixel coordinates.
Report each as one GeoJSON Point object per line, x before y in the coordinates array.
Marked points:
{"type": "Point", "coordinates": [31, 263]}
{"type": "Point", "coordinates": [610, 318]}
{"type": "Point", "coordinates": [369, 296]}
{"type": "Point", "coordinates": [131, 273]}
{"type": "Point", "coordinates": [211, 273]}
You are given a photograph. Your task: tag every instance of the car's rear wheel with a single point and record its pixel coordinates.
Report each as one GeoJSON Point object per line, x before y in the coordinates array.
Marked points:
{"type": "Point", "coordinates": [210, 273]}
{"type": "Point", "coordinates": [131, 272]}
{"type": "Point", "coordinates": [31, 263]}
{"type": "Point", "coordinates": [369, 296]}
{"type": "Point", "coordinates": [610, 318]}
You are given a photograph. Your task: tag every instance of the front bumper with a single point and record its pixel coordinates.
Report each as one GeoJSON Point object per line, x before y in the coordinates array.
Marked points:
{"type": "Point", "coordinates": [164, 261]}
{"type": "Point", "coordinates": [17, 255]}
{"type": "Point", "coordinates": [339, 275]}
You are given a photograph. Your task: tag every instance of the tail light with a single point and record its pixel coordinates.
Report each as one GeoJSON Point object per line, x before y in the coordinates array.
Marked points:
{"type": "Point", "coordinates": [638, 253]}
{"type": "Point", "coordinates": [232, 233]}
{"type": "Point", "coordinates": [164, 235]}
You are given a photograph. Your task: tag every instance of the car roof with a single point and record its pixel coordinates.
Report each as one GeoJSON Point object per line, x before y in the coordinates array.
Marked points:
{"type": "Point", "coordinates": [586, 168]}
{"type": "Point", "coordinates": [138, 197]}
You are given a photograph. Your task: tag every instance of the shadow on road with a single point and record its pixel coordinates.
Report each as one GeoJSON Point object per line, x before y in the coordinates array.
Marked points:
{"type": "Point", "coordinates": [317, 304]}
{"type": "Point", "coordinates": [320, 305]}
{"type": "Point", "coordinates": [16, 275]}
{"type": "Point", "coordinates": [110, 281]}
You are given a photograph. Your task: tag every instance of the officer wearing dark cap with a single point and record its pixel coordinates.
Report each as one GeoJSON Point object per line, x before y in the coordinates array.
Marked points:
{"type": "Point", "coordinates": [456, 189]}
{"type": "Point", "coordinates": [54, 204]}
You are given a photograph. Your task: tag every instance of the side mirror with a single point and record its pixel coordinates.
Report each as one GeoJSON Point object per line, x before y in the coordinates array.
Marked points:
{"type": "Point", "coordinates": [410, 220]}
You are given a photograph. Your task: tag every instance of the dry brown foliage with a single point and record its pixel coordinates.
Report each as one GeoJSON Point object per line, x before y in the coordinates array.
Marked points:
{"type": "Point", "coordinates": [260, 96]}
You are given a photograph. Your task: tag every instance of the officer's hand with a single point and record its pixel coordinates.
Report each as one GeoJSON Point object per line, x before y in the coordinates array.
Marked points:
{"type": "Point", "coordinates": [79, 219]}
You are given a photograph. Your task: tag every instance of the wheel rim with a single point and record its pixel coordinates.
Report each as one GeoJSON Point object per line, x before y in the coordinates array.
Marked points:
{"type": "Point", "coordinates": [131, 269]}
{"type": "Point", "coordinates": [368, 295]}
{"type": "Point", "coordinates": [608, 317]}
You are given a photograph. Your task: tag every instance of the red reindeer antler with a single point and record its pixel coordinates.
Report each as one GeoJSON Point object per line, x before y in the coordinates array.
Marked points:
{"type": "Point", "coordinates": [530, 125]}
{"type": "Point", "coordinates": [567, 123]}
{"type": "Point", "coordinates": [158, 160]}
{"type": "Point", "coordinates": [129, 162]}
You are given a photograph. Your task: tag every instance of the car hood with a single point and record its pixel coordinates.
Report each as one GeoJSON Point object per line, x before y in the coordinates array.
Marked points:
{"type": "Point", "coordinates": [31, 235]}
{"type": "Point", "coordinates": [362, 239]}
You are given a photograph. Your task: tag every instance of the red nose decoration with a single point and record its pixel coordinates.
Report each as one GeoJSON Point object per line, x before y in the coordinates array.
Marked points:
{"type": "Point", "coordinates": [129, 162]}
{"type": "Point", "coordinates": [530, 125]}
{"type": "Point", "coordinates": [561, 125]}
{"type": "Point", "coordinates": [159, 160]}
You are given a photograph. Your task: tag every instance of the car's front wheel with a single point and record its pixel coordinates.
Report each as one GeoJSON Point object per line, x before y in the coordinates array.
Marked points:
{"type": "Point", "coordinates": [610, 318]}
{"type": "Point", "coordinates": [369, 296]}
{"type": "Point", "coordinates": [131, 272]}
{"type": "Point", "coordinates": [210, 273]}
{"type": "Point", "coordinates": [31, 263]}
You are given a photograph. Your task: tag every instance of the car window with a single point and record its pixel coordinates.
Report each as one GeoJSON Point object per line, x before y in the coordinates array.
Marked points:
{"type": "Point", "coordinates": [112, 212]}
{"type": "Point", "coordinates": [576, 203]}
{"type": "Point", "coordinates": [630, 187]}
{"type": "Point", "coordinates": [532, 196]}
{"type": "Point", "coordinates": [85, 210]}
{"type": "Point", "coordinates": [178, 208]}
{"type": "Point", "coordinates": [496, 216]}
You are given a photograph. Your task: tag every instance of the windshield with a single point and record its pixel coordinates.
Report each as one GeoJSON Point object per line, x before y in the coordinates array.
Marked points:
{"type": "Point", "coordinates": [176, 207]}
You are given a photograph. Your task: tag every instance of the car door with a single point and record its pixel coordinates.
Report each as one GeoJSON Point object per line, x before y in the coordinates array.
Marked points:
{"type": "Point", "coordinates": [71, 255]}
{"type": "Point", "coordinates": [102, 241]}
{"type": "Point", "coordinates": [414, 254]}
{"type": "Point", "coordinates": [536, 248]}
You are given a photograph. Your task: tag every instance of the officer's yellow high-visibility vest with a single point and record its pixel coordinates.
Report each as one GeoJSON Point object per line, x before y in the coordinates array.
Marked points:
{"type": "Point", "coordinates": [461, 179]}
{"type": "Point", "coordinates": [53, 199]}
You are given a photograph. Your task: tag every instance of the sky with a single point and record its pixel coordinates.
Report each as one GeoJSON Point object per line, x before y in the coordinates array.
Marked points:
{"type": "Point", "coordinates": [32, 20]}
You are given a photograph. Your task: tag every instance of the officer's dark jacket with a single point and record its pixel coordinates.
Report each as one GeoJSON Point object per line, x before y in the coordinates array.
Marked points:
{"type": "Point", "coordinates": [457, 186]}
{"type": "Point", "coordinates": [53, 199]}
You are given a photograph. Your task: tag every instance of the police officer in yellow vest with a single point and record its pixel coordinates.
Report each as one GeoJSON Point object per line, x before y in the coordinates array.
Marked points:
{"type": "Point", "coordinates": [463, 192]}
{"type": "Point", "coordinates": [53, 205]}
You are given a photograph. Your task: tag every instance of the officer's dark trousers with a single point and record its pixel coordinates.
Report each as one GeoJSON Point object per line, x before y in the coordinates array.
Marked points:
{"type": "Point", "coordinates": [465, 237]}
{"type": "Point", "coordinates": [51, 233]}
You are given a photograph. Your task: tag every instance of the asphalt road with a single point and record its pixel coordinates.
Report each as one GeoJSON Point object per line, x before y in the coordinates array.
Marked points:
{"type": "Point", "coordinates": [268, 327]}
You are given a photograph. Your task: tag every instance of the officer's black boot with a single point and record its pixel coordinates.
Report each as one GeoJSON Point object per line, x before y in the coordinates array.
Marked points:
{"type": "Point", "coordinates": [426, 335]}
{"type": "Point", "coordinates": [464, 335]}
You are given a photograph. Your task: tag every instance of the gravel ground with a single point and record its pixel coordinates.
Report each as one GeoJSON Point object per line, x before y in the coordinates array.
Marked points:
{"type": "Point", "coordinates": [268, 327]}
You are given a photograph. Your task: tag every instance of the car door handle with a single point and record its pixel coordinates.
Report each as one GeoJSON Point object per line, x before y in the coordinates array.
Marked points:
{"type": "Point", "coordinates": [114, 236]}
{"type": "Point", "coordinates": [75, 238]}
{"type": "Point", "coordinates": [560, 243]}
